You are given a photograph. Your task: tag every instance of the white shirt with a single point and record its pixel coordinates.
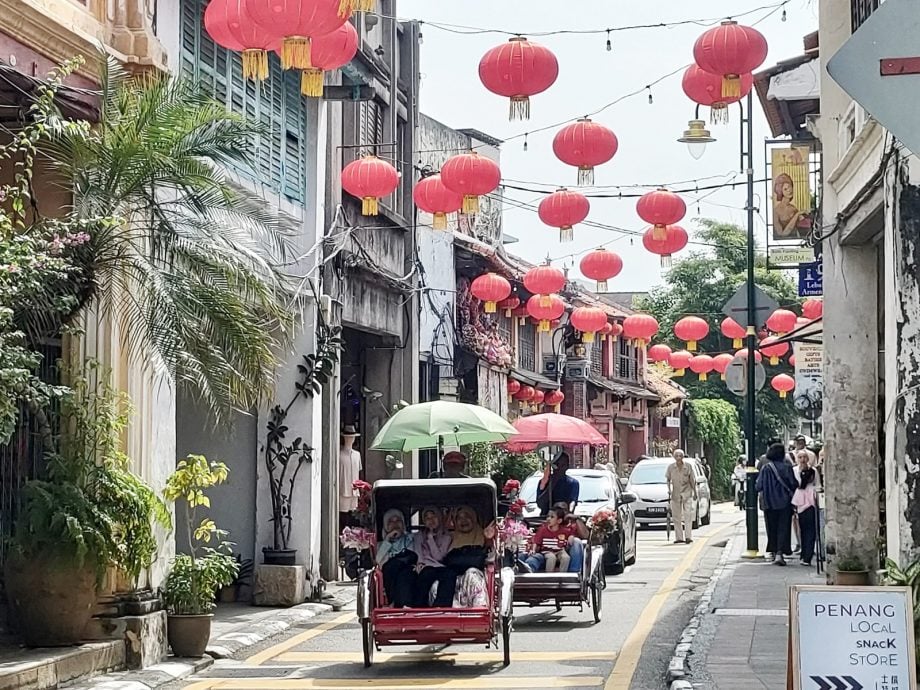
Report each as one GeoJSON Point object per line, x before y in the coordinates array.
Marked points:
{"type": "Point", "coordinates": [349, 469]}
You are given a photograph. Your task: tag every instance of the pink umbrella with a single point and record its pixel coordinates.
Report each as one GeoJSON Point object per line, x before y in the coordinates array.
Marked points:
{"type": "Point", "coordinates": [542, 429]}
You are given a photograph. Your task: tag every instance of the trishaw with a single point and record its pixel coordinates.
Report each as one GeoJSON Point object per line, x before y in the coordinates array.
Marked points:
{"type": "Point", "coordinates": [382, 625]}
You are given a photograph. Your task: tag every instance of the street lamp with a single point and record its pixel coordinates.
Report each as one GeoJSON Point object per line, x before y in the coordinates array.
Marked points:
{"type": "Point", "coordinates": [696, 136]}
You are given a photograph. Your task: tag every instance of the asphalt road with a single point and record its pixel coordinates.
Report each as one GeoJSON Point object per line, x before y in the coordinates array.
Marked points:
{"type": "Point", "coordinates": [644, 612]}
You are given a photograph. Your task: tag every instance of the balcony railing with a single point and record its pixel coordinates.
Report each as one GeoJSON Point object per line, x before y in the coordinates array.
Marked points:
{"type": "Point", "coordinates": [860, 10]}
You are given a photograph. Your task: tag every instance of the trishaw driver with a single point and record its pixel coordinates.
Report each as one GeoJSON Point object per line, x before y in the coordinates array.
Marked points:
{"type": "Point", "coordinates": [557, 487]}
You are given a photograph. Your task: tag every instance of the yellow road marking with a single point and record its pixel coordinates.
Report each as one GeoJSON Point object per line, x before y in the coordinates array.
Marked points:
{"type": "Point", "coordinates": [415, 657]}
{"type": "Point", "coordinates": [316, 631]}
{"type": "Point", "coordinates": [628, 660]}
{"type": "Point", "coordinates": [398, 683]}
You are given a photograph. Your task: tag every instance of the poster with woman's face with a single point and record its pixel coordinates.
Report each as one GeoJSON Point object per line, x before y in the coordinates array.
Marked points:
{"type": "Point", "coordinates": [792, 206]}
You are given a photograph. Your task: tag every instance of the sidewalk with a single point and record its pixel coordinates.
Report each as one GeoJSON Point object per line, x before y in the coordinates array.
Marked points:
{"type": "Point", "coordinates": [739, 637]}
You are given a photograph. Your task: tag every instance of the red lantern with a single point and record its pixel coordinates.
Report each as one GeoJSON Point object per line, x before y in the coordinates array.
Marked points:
{"type": "Point", "coordinates": [538, 397]}
{"type": "Point", "coordinates": [705, 89]}
{"type": "Point", "coordinates": [783, 384]}
{"type": "Point", "coordinates": [744, 353]}
{"type": "Point", "coordinates": [782, 321]}
{"type": "Point", "coordinates": [370, 179]}
{"type": "Point", "coordinates": [562, 209]}
{"type": "Point", "coordinates": [471, 175]}
{"type": "Point", "coordinates": [691, 329]}
{"type": "Point", "coordinates": [585, 144]}
{"type": "Point", "coordinates": [730, 50]}
{"type": "Point", "coordinates": [702, 365]}
{"type": "Point", "coordinates": [544, 281]}
{"type": "Point", "coordinates": [296, 22]}
{"type": "Point", "coordinates": [588, 320]}
{"type": "Point", "coordinates": [554, 398]}
{"type": "Point", "coordinates": [521, 314]}
{"type": "Point", "coordinates": [490, 288]}
{"type": "Point", "coordinates": [679, 361]}
{"type": "Point", "coordinates": [721, 362]}
{"type": "Point", "coordinates": [773, 351]}
{"type": "Point", "coordinates": [660, 209]}
{"type": "Point", "coordinates": [791, 360]}
{"type": "Point", "coordinates": [659, 353]}
{"type": "Point", "coordinates": [640, 328]}
{"type": "Point", "coordinates": [509, 304]}
{"type": "Point", "coordinates": [230, 26]}
{"type": "Point", "coordinates": [545, 313]}
{"type": "Point", "coordinates": [513, 387]}
{"type": "Point", "coordinates": [616, 330]}
{"type": "Point", "coordinates": [328, 52]}
{"type": "Point", "coordinates": [812, 309]}
{"type": "Point", "coordinates": [524, 394]}
{"type": "Point", "coordinates": [432, 196]}
{"type": "Point", "coordinates": [675, 238]}
{"type": "Point", "coordinates": [734, 331]}
{"type": "Point", "coordinates": [518, 70]}
{"type": "Point", "coordinates": [601, 265]}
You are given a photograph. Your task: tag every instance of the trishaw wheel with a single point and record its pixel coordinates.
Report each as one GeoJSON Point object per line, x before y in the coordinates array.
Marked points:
{"type": "Point", "coordinates": [506, 639]}
{"type": "Point", "coordinates": [367, 633]}
{"type": "Point", "coordinates": [597, 600]}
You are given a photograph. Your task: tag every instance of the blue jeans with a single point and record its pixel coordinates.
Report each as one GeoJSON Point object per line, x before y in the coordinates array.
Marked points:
{"type": "Point", "coordinates": [576, 550]}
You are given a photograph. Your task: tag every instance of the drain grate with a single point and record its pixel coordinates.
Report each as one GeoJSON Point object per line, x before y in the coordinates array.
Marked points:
{"type": "Point", "coordinates": [751, 612]}
{"type": "Point", "coordinates": [247, 672]}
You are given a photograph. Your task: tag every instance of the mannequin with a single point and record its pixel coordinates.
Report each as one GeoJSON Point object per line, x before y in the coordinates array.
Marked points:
{"type": "Point", "coordinates": [349, 471]}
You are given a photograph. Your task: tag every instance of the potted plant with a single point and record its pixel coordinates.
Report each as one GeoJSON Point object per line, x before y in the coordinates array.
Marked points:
{"type": "Point", "coordinates": [191, 587]}
{"type": "Point", "coordinates": [850, 571]}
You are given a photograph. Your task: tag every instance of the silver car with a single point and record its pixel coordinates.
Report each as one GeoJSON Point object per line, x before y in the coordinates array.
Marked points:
{"type": "Point", "coordinates": [647, 482]}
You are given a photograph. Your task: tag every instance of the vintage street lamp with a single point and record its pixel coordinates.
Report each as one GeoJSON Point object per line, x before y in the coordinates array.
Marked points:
{"type": "Point", "coordinates": [696, 136]}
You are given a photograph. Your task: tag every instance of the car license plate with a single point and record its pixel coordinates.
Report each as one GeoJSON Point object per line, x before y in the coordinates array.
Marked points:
{"type": "Point", "coordinates": [661, 510]}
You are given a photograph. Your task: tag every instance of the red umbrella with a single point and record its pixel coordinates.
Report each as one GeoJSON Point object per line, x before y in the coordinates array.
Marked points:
{"type": "Point", "coordinates": [541, 429]}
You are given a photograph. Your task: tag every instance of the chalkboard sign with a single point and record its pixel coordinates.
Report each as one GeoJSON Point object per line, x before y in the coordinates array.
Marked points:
{"type": "Point", "coordinates": [851, 638]}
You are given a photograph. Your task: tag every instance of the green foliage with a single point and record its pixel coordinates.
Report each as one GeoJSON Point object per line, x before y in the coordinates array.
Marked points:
{"type": "Point", "coordinates": [89, 507]}
{"type": "Point", "coordinates": [849, 564]}
{"type": "Point", "coordinates": [908, 577]}
{"type": "Point", "coordinates": [492, 461]}
{"type": "Point", "coordinates": [700, 284]}
{"type": "Point", "coordinates": [195, 578]}
{"type": "Point", "coordinates": [715, 423]}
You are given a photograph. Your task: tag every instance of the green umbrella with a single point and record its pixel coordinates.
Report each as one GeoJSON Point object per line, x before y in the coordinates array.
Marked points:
{"type": "Point", "coordinates": [433, 424]}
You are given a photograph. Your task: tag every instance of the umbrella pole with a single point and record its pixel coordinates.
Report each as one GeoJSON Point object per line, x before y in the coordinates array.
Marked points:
{"type": "Point", "coordinates": [441, 455]}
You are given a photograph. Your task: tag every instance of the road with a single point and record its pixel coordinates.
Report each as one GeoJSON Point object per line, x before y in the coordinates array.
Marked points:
{"type": "Point", "coordinates": [644, 611]}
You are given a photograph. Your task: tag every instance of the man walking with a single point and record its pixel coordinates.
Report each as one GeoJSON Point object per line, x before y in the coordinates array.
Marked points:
{"type": "Point", "coordinates": [682, 489]}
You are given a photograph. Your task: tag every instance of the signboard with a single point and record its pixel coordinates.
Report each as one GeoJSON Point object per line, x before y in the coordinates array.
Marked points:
{"type": "Point", "coordinates": [811, 279]}
{"type": "Point", "coordinates": [809, 375]}
{"type": "Point", "coordinates": [851, 638]}
{"type": "Point", "coordinates": [736, 307]}
{"type": "Point", "coordinates": [791, 256]}
{"type": "Point", "coordinates": [791, 193]}
{"type": "Point", "coordinates": [672, 422]}
{"type": "Point", "coordinates": [736, 375]}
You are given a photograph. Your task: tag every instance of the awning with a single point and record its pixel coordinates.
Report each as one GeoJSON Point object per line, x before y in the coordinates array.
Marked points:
{"type": "Point", "coordinates": [801, 83]}
{"type": "Point", "coordinates": [641, 393]}
{"type": "Point", "coordinates": [21, 90]}
{"type": "Point", "coordinates": [608, 385]}
{"type": "Point", "coordinates": [531, 378]}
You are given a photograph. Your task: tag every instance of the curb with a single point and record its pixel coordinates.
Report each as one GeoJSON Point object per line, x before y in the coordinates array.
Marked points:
{"type": "Point", "coordinates": [232, 642]}
{"type": "Point", "coordinates": [678, 669]}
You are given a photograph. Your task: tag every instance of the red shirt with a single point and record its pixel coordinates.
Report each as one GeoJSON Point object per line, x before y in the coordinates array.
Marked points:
{"type": "Point", "coordinates": [548, 540]}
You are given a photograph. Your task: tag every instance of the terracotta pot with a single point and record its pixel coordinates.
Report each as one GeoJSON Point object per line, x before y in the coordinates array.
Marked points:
{"type": "Point", "coordinates": [188, 635]}
{"type": "Point", "coordinates": [51, 601]}
{"type": "Point", "coordinates": [852, 578]}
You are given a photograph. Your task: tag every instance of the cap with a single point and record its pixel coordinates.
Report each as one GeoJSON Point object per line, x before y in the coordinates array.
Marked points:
{"type": "Point", "coordinates": [454, 457]}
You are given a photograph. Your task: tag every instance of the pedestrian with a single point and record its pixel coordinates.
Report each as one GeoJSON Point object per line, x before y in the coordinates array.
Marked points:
{"type": "Point", "coordinates": [800, 444]}
{"type": "Point", "coordinates": [739, 479]}
{"type": "Point", "coordinates": [454, 464]}
{"type": "Point", "coordinates": [681, 482]}
{"type": "Point", "coordinates": [805, 501]}
{"type": "Point", "coordinates": [776, 484]}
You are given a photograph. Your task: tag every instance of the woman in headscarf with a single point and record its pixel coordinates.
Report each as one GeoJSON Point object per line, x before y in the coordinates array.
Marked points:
{"type": "Point", "coordinates": [397, 559]}
{"type": "Point", "coordinates": [467, 558]}
{"type": "Point", "coordinates": [432, 543]}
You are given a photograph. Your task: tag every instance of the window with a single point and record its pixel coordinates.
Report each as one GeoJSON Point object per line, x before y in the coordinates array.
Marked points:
{"type": "Point", "coordinates": [851, 125]}
{"type": "Point", "coordinates": [279, 157]}
{"type": "Point", "coordinates": [597, 357]}
{"type": "Point", "coordinates": [527, 348]}
{"type": "Point", "coordinates": [860, 11]}
{"type": "Point", "coordinates": [503, 325]}
{"type": "Point", "coordinates": [627, 361]}
{"type": "Point", "coordinates": [370, 127]}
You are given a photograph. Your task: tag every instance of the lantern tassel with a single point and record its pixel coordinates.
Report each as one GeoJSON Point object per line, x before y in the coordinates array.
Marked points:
{"type": "Point", "coordinates": [666, 261]}
{"type": "Point", "coordinates": [364, 5]}
{"type": "Point", "coordinates": [556, 408]}
{"type": "Point", "coordinates": [659, 232]}
{"type": "Point", "coordinates": [782, 394]}
{"type": "Point", "coordinates": [587, 337]}
{"type": "Point", "coordinates": [346, 7]}
{"type": "Point", "coordinates": [718, 114]}
{"type": "Point", "coordinates": [519, 108]}
{"type": "Point", "coordinates": [702, 376]}
{"type": "Point", "coordinates": [736, 343]}
{"type": "Point", "coordinates": [470, 204]}
{"type": "Point", "coordinates": [731, 86]}
{"type": "Point", "coordinates": [369, 206]}
{"type": "Point", "coordinates": [295, 53]}
{"type": "Point", "coordinates": [439, 221]}
{"type": "Point", "coordinates": [691, 346]}
{"type": "Point", "coordinates": [490, 307]}
{"type": "Point", "coordinates": [585, 177]}
{"type": "Point", "coordinates": [680, 372]}
{"type": "Point", "coordinates": [311, 82]}
{"type": "Point", "coordinates": [255, 65]}
{"type": "Point", "coordinates": [507, 313]}
{"type": "Point", "coordinates": [544, 326]}
{"type": "Point", "coordinates": [722, 376]}
{"type": "Point", "coordinates": [774, 361]}
{"type": "Point", "coordinates": [602, 286]}
{"type": "Point", "coordinates": [566, 234]}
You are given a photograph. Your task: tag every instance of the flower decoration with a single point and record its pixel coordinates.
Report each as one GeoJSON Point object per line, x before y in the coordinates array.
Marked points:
{"type": "Point", "coordinates": [511, 489]}
{"type": "Point", "coordinates": [514, 535]}
{"type": "Point", "coordinates": [603, 524]}
{"type": "Point", "coordinates": [357, 538]}
{"type": "Point", "coordinates": [516, 509]}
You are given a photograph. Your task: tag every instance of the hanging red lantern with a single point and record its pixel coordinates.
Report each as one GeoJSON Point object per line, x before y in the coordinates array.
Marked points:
{"type": "Point", "coordinates": [659, 353]}
{"type": "Point", "coordinates": [705, 88]}
{"type": "Point", "coordinates": [702, 365]}
{"type": "Point", "coordinates": [770, 348]}
{"type": "Point", "coordinates": [675, 238]}
{"type": "Point", "coordinates": [691, 329]}
{"type": "Point", "coordinates": [660, 209]}
{"type": "Point", "coordinates": [471, 175]}
{"type": "Point", "coordinates": [720, 363]}
{"type": "Point", "coordinates": [524, 394]}
{"type": "Point", "coordinates": [545, 313]}
{"type": "Point", "coordinates": [521, 314]}
{"type": "Point", "coordinates": [328, 52]}
{"type": "Point", "coordinates": [432, 196]}
{"type": "Point", "coordinates": [370, 179]}
{"type": "Point", "coordinates": [744, 353]}
{"type": "Point", "coordinates": [812, 309]}
{"type": "Point", "coordinates": [783, 384]}
{"type": "Point", "coordinates": [563, 209]}
{"type": "Point", "coordinates": [606, 330]}
{"type": "Point", "coordinates": [601, 265]}
{"type": "Point", "coordinates": [616, 330]}
{"type": "Point", "coordinates": [296, 22]}
{"type": "Point", "coordinates": [555, 399]}
{"type": "Point", "coordinates": [588, 320]}
{"type": "Point", "coordinates": [586, 145]}
{"type": "Point", "coordinates": [791, 360]}
{"type": "Point", "coordinates": [538, 397]}
{"type": "Point", "coordinates": [518, 70]}
{"type": "Point", "coordinates": [782, 321]}
{"type": "Point", "coordinates": [734, 331]}
{"type": "Point", "coordinates": [490, 288]}
{"type": "Point", "coordinates": [640, 328]}
{"type": "Point", "coordinates": [730, 51]}
{"type": "Point", "coordinates": [509, 304]}
{"type": "Point", "coordinates": [679, 361]}
{"type": "Point", "coordinates": [544, 281]}
{"type": "Point", "coordinates": [230, 26]}
{"type": "Point", "coordinates": [513, 387]}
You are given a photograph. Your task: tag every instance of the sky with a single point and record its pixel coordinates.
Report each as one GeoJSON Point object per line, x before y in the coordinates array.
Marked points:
{"type": "Point", "coordinates": [589, 78]}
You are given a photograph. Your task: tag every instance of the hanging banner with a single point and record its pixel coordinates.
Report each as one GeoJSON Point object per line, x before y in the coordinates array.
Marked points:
{"type": "Point", "coordinates": [811, 279]}
{"type": "Point", "coordinates": [793, 210]}
{"type": "Point", "coordinates": [809, 375]}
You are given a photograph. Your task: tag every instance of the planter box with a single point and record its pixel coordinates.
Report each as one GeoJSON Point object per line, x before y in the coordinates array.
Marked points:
{"type": "Point", "coordinates": [144, 637]}
{"type": "Point", "coordinates": [279, 585]}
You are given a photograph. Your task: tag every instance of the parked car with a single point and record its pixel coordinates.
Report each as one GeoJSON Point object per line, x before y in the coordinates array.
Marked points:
{"type": "Point", "coordinates": [647, 482]}
{"type": "Point", "coordinates": [597, 489]}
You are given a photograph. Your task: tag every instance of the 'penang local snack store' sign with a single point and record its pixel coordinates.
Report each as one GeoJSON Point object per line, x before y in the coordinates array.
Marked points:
{"type": "Point", "coordinates": [852, 638]}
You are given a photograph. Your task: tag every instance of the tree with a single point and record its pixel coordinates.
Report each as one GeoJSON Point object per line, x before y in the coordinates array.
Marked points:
{"type": "Point", "coordinates": [700, 284]}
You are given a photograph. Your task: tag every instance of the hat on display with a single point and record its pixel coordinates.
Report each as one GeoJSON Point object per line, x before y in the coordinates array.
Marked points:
{"type": "Point", "coordinates": [349, 430]}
